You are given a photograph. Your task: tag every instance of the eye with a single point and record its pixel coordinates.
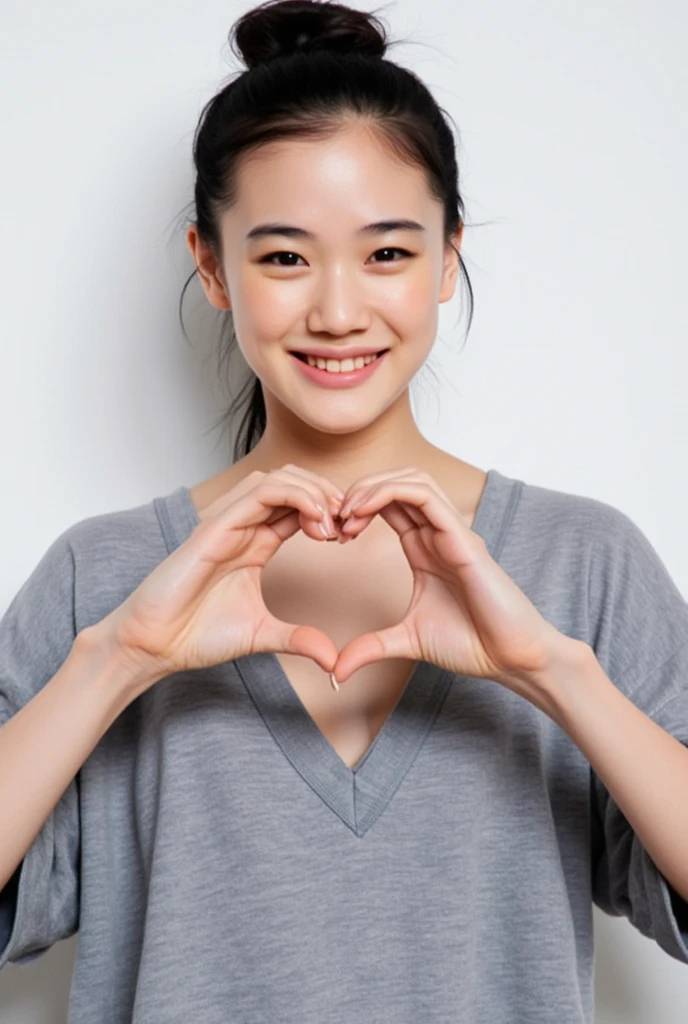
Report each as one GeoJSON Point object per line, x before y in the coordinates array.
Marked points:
{"type": "Point", "coordinates": [283, 252]}
{"type": "Point", "coordinates": [388, 248]}
{"type": "Point", "coordinates": [269, 258]}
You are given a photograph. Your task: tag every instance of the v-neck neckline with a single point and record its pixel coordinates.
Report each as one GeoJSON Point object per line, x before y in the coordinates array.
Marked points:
{"type": "Point", "coordinates": [356, 795]}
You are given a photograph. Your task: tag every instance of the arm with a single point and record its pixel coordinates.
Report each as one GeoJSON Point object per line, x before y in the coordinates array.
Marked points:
{"type": "Point", "coordinates": [644, 768]}
{"type": "Point", "coordinates": [46, 742]}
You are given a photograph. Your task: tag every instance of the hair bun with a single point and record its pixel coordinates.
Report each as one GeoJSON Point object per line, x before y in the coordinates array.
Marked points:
{"type": "Point", "coordinates": [279, 28]}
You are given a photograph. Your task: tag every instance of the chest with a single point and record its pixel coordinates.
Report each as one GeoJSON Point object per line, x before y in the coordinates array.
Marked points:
{"type": "Point", "coordinates": [343, 590]}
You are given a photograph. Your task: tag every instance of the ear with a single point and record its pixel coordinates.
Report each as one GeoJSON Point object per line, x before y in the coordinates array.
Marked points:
{"type": "Point", "coordinates": [450, 267]}
{"type": "Point", "coordinates": [209, 270]}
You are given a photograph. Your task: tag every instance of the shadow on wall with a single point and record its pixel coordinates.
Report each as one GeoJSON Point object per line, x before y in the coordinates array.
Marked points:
{"type": "Point", "coordinates": [38, 993]}
{"type": "Point", "coordinates": [623, 994]}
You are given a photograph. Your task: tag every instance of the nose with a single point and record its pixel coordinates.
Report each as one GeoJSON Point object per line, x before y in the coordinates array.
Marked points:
{"type": "Point", "coordinates": [338, 304]}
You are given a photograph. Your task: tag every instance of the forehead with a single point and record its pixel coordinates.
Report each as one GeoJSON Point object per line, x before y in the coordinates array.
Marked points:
{"type": "Point", "coordinates": [350, 176]}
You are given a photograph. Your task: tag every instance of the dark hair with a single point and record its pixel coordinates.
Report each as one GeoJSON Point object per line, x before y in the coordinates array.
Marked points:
{"type": "Point", "coordinates": [310, 65]}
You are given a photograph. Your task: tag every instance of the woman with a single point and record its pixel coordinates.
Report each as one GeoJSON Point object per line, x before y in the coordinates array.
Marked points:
{"type": "Point", "coordinates": [505, 741]}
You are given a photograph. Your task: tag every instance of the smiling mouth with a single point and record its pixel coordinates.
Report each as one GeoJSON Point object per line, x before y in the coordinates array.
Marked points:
{"type": "Point", "coordinates": [304, 359]}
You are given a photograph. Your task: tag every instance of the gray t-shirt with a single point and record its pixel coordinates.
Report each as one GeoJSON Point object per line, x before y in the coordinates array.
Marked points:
{"type": "Point", "coordinates": [221, 862]}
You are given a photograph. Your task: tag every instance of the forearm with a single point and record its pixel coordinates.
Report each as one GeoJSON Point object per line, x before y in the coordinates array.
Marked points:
{"type": "Point", "coordinates": [45, 743]}
{"type": "Point", "coordinates": [644, 768]}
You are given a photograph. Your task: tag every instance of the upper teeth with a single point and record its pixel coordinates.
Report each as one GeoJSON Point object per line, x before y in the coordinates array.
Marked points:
{"type": "Point", "coordinates": [341, 366]}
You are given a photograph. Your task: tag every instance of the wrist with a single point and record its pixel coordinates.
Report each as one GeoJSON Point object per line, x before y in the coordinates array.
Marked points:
{"type": "Point", "coordinates": [96, 646]}
{"type": "Point", "coordinates": [567, 660]}
{"type": "Point", "coordinates": [570, 662]}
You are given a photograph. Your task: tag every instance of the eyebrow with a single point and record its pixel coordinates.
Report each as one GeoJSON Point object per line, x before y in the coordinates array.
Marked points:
{"type": "Point", "coordinates": [378, 227]}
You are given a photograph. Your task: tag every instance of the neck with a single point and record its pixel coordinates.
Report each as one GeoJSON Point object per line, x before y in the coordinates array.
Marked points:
{"type": "Point", "coordinates": [392, 441]}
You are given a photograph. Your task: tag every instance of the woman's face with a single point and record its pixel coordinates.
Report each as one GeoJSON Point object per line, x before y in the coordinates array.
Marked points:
{"type": "Point", "coordinates": [339, 287]}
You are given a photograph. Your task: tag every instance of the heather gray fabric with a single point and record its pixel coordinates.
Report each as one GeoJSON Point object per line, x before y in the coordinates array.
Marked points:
{"type": "Point", "coordinates": [223, 864]}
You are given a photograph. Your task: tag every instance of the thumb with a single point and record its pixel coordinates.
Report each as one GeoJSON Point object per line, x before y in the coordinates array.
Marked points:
{"type": "Point", "coordinates": [294, 638]}
{"type": "Point", "coordinates": [371, 647]}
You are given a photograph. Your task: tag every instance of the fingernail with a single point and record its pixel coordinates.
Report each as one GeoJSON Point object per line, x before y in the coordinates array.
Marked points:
{"type": "Point", "coordinates": [335, 684]}
{"type": "Point", "coordinates": [326, 524]}
{"type": "Point", "coordinates": [325, 533]}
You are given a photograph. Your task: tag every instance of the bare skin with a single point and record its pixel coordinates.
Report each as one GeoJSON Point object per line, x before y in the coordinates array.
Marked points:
{"type": "Point", "coordinates": [346, 590]}
{"type": "Point", "coordinates": [337, 291]}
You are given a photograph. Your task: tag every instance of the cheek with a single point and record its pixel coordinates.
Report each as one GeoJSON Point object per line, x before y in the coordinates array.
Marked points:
{"type": "Point", "coordinates": [264, 308]}
{"type": "Point", "coordinates": [412, 304]}
{"type": "Point", "coordinates": [263, 313]}
{"type": "Point", "coordinates": [417, 287]}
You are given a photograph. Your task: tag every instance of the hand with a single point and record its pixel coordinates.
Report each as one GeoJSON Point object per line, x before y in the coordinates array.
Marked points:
{"type": "Point", "coordinates": [203, 605]}
{"type": "Point", "coordinates": [466, 614]}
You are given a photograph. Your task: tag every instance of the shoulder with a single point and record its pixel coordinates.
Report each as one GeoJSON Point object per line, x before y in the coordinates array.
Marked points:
{"type": "Point", "coordinates": [598, 522]}
{"type": "Point", "coordinates": [574, 536]}
{"type": "Point", "coordinates": [103, 557]}
{"type": "Point", "coordinates": [619, 557]}
{"type": "Point", "coordinates": [112, 534]}
{"type": "Point", "coordinates": [595, 555]}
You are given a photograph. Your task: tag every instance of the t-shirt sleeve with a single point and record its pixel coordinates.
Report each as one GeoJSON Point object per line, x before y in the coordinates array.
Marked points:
{"type": "Point", "coordinates": [40, 904]}
{"type": "Point", "coordinates": [641, 640]}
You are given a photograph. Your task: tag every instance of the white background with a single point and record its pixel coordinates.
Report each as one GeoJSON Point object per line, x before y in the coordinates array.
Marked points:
{"type": "Point", "coordinates": [574, 157]}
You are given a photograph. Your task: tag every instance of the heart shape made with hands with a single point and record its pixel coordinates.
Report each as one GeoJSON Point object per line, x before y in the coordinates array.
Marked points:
{"type": "Point", "coordinates": [466, 614]}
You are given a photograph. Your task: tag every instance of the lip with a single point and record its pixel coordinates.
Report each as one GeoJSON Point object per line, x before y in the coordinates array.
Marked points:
{"type": "Point", "coordinates": [332, 353]}
{"type": "Point", "coordinates": [338, 380]}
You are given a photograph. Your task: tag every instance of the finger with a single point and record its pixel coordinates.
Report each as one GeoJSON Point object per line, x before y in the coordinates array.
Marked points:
{"type": "Point", "coordinates": [294, 638]}
{"type": "Point", "coordinates": [365, 482]}
{"type": "Point", "coordinates": [355, 514]}
{"type": "Point", "coordinates": [413, 516]}
{"type": "Point", "coordinates": [322, 490]}
{"type": "Point", "coordinates": [287, 524]}
{"type": "Point", "coordinates": [329, 490]}
{"type": "Point", "coordinates": [317, 529]}
{"type": "Point", "coordinates": [368, 482]}
{"type": "Point", "coordinates": [457, 544]}
{"type": "Point", "coordinates": [399, 516]}
{"type": "Point", "coordinates": [266, 504]}
{"type": "Point", "coordinates": [424, 503]}
{"type": "Point", "coordinates": [394, 642]}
